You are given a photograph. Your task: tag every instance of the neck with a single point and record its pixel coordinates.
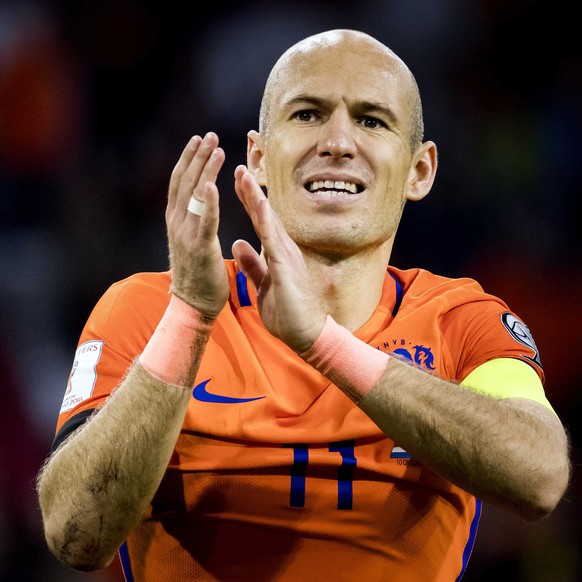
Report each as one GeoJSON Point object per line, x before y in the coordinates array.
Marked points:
{"type": "Point", "coordinates": [351, 287]}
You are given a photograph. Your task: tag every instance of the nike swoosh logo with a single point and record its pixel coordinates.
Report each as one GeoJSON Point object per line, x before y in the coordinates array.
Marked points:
{"type": "Point", "coordinates": [200, 393]}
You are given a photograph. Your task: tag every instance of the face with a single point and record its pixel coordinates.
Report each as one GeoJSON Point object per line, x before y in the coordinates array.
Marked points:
{"type": "Point", "coordinates": [336, 159]}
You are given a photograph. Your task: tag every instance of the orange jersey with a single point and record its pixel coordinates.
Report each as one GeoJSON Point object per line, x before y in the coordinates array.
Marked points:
{"type": "Point", "coordinates": [276, 474]}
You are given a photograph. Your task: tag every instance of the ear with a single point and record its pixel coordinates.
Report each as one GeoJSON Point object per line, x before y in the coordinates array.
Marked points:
{"type": "Point", "coordinates": [255, 157]}
{"type": "Point", "coordinates": [422, 172]}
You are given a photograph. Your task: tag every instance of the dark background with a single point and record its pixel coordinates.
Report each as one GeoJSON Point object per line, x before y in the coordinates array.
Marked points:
{"type": "Point", "coordinates": [97, 100]}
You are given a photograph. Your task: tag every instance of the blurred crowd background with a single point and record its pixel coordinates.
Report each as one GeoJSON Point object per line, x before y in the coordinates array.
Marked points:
{"type": "Point", "coordinates": [97, 100]}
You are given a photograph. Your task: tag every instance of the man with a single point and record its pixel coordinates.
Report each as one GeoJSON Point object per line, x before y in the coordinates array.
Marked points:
{"type": "Point", "coordinates": [335, 418]}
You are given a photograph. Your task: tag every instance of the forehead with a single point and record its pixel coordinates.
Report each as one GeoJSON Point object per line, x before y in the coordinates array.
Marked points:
{"type": "Point", "coordinates": [352, 70]}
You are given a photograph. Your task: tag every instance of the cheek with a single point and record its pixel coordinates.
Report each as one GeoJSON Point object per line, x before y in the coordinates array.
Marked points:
{"type": "Point", "coordinates": [389, 211]}
{"type": "Point", "coordinates": [275, 172]}
{"type": "Point", "coordinates": [282, 183]}
{"type": "Point", "coordinates": [392, 196]}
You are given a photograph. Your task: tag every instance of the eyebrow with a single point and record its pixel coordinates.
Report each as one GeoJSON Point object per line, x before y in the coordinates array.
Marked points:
{"type": "Point", "coordinates": [359, 106]}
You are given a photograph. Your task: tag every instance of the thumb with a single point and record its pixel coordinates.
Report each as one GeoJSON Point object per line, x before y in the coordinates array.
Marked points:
{"type": "Point", "coordinates": [250, 262]}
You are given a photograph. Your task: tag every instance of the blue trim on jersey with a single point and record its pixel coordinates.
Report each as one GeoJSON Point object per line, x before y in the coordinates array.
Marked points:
{"type": "Point", "coordinates": [399, 295]}
{"type": "Point", "coordinates": [125, 565]}
{"type": "Point", "coordinates": [472, 536]}
{"type": "Point", "coordinates": [245, 301]}
{"type": "Point", "coordinates": [241, 289]}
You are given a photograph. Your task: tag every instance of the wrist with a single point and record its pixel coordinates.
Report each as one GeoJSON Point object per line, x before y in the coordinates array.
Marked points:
{"type": "Point", "coordinates": [352, 365]}
{"type": "Point", "coordinates": [173, 352]}
{"type": "Point", "coordinates": [205, 313]}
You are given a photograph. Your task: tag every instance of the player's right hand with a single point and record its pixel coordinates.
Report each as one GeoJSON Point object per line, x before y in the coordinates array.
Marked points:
{"type": "Point", "coordinates": [198, 270]}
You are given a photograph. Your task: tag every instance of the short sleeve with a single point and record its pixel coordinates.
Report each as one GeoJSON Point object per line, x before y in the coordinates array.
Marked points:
{"type": "Point", "coordinates": [483, 330]}
{"type": "Point", "coordinates": [115, 333]}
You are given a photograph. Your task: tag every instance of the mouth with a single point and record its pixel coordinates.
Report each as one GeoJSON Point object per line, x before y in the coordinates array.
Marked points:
{"type": "Point", "coordinates": [333, 187]}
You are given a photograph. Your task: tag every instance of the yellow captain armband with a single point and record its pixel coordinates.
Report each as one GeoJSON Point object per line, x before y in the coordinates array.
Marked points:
{"type": "Point", "coordinates": [507, 378]}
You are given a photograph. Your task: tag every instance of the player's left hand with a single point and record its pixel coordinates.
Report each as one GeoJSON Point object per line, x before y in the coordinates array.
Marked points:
{"type": "Point", "coordinates": [287, 302]}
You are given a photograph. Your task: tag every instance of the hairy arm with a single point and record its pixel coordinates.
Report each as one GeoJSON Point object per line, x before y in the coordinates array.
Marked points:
{"type": "Point", "coordinates": [513, 451]}
{"type": "Point", "coordinates": [510, 451]}
{"type": "Point", "coordinates": [96, 487]}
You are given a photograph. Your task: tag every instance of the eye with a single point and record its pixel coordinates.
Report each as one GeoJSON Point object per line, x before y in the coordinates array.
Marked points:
{"type": "Point", "coordinates": [305, 115]}
{"type": "Point", "coordinates": [372, 122]}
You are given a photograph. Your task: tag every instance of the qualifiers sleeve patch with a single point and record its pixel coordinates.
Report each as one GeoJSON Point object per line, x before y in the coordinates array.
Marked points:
{"type": "Point", "coordinates": [83, 374]}
{"type": "Point", "coordinates": [521, 334]}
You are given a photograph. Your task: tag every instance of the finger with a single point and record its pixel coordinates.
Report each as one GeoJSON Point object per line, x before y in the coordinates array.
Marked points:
{"type": "Point", "coordinates": [267, 229]}
{"type": "Point", "coordinates": [249, 193]}
{"type": "Point", "coordinates": [278, 247]}
{"type": "Point", "coordinates": [212, 167]}
{"type": "Point", "coordinates": [179, 169]}
{"type": "Point", "coordinates": [239, 172]}
{"type": "Point", "coordinates": [209, 220]}
{"type": "Point", "coordinates": [197, 203]}
{"type": "Point", "coordinates": [191, 177]}
{"type": "Point", "coordinates": [250, 262]}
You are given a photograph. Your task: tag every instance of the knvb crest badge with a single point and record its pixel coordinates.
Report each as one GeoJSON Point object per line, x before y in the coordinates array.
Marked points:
{"type": "Point", "coordinates": [422, 357]}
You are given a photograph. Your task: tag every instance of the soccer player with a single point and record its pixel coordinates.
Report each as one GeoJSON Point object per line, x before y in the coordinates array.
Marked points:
{"type": "Point", "coordinates": [307, 411]}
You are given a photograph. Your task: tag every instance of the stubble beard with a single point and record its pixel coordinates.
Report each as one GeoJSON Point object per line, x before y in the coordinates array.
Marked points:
{"type": "Point", "coordinates": [357, 237]}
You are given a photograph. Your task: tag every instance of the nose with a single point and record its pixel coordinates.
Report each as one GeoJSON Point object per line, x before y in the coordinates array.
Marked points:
{"type": "Point", "coordinates": [337, 139]}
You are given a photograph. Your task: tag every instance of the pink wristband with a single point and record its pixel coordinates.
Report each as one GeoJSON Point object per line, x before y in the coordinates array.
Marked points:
{"type": "Point", "coordinates": [176, 344]}
{"type": "Point", "coordinates": [352, 365]}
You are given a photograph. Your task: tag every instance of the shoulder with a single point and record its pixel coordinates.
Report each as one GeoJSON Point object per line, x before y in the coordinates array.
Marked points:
{"type": "Point", "coordinates": [145, 282]}
{"type": "Point", "coordinates": [480, 325]}
{"type": "Point", "coordinates": [140, 285]}
{"type": "Point", "coordinates": [421, 286]}
{"type": "Point", "coordinates": [146, 293]}
{"type": "Point", "coordinates": [151, 284]}
{"type": "Point", "coordinates": [140, 292]}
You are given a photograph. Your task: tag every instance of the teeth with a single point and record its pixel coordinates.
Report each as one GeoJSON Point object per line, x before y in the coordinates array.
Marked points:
{"type": "Point", "coordinates": [331, 185]}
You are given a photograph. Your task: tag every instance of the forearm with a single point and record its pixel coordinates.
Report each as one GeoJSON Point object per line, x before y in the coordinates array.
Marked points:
{"type": "Point", "coordinates": [512, 452]}
{"type": "Point", "coordinates": [98, 485]}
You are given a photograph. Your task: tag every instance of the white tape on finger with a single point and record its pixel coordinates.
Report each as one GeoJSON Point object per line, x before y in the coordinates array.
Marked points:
{"type": "Point", "coordinates": [195, 206]}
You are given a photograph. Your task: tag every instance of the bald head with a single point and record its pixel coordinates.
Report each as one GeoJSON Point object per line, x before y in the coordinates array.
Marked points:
{"type": "Point", "coordinates": [335, 46]}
